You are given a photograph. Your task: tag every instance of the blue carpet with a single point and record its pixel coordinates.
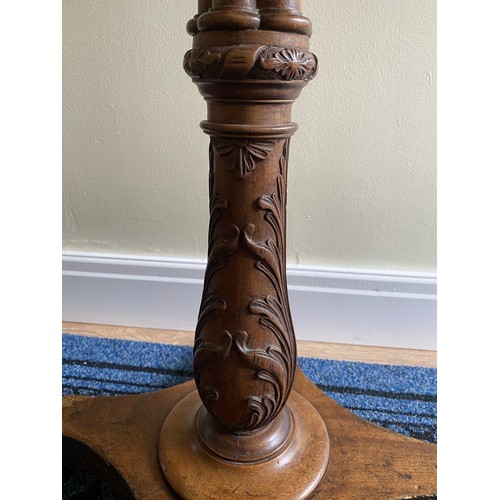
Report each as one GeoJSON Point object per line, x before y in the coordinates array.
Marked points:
{"type": "Point", "coordinates": [399, 398]}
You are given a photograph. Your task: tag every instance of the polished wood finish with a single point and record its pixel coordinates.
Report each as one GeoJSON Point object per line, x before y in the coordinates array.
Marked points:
{"type": "Point", "coordinates": [283, 15]}
{"type": "Point", "coordinates": [192, 24]}
{"type": "Point", "coordinates": [118, 439]}
{"type": "Point", "coordinates": [245, 352]}
{"type": "Point", "coordinates": [295, 464]}
{"type": "Point", "coordinates": [230, 15]}
{"type": "Point", "coordinates": [254, 426]}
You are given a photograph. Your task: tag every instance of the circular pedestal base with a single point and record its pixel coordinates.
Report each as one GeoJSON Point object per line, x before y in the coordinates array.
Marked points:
{"type": "Point", "coordinates": [292, 473]}
{"type": "Point", "coordinates": [117, 438]}
{"type": "Point", "coordinates": [251, 448]}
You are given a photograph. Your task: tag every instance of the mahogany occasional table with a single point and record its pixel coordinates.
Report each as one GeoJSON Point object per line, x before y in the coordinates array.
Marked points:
{"type": "Point", "coordinates": [250, 424]}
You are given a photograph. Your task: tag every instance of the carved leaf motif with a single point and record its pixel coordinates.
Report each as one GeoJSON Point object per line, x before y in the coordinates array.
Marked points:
{"type": "Point", "coordinates": [220, 251]}
{"type": "Point", "coordinates": [272, 365]}
{"type": "Point", "coordinates": [209, 395]}
{"type": "Point", "coordinates": [210, 304]}
{"type": "Point", "coordinates": [262, 410]}
{"type": "Point", "coordinates": [242, 156]}
{"type": "Point", "coordinates": [274, 310]}
{"type": "Point", "coordinates": [269, 362]}
{"type": "Point", "coordinates": [276, 318]}
{"type": "Point", "coordinates": [291, 63]}
{"type": "Point", "coordinates": [207, 354]}
{"type": "Point", "coordinates": [197, 60]}
{"type": "Point", "coordinates": [268, 255]}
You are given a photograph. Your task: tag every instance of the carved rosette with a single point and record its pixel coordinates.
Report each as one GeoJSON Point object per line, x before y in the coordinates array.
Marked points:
{"type": "Point", "coordinates": [291, 63]}
{"type": "Point", "coordinates": [198, 60]}
{"type": "Point", "coordinates": [253, 62]}
{"type": "Point", "coordinates": [244, 352]}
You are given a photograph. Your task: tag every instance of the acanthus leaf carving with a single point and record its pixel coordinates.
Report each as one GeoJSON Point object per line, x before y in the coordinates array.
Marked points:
{"type": "Point", "coordinates": [268, 257]}
{"type": "Point", "coordinates": [270, 253]}
{"type": "Point", "coordinates": [210, 305]}
{"type": "Point", "coordinates": [271, 364]}
{"type": "Point", "coordinates": [274, 311]}
{"type": "Point", "coordinates": [221, 250]}
{"type": "Point", "coordinates": [207, 356]}
{"type": "Point", "coordinates": [206, 353]}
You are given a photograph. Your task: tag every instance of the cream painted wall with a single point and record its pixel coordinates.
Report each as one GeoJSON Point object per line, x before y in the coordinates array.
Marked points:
{"type": "Point", "coordinates": [363, 162]}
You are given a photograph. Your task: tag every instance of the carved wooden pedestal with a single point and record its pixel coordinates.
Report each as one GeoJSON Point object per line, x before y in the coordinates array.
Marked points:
{"type": "Point", "coordinates": [253, 427]}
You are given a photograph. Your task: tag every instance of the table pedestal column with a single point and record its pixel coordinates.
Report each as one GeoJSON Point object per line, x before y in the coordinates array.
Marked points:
{"type": "Point", "coordinates": [250, 425]}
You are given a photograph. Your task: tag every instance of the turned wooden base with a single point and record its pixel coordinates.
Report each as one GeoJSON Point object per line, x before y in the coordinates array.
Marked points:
{"type": "Point", "coordinates": [292, 471]}
{"type": "Point", "coordinates": [119, 439]}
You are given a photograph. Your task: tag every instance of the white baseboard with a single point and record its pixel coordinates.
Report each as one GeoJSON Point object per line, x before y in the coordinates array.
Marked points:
{"type": "Point", "coordinates": [365, 307]}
